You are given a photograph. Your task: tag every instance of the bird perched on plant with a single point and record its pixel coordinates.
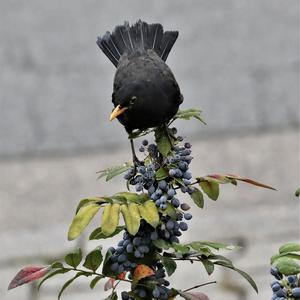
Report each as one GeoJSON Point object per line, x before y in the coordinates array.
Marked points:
{"type": "Point", "coordinates": [145, 91]}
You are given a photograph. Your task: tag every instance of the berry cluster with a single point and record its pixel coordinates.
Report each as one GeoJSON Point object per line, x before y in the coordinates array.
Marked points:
{"type": "Point", "coordinates": [285, 287]}
{"type": "Point", "coordinates": [133, 250]}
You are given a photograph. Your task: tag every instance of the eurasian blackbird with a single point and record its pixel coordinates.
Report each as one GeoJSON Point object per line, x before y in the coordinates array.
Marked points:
{"type": "Point", "coordinates": [145, 91]}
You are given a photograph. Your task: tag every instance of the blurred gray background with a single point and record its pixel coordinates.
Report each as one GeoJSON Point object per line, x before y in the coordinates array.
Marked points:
{"type": "Point", "coordinates": [237, 60]}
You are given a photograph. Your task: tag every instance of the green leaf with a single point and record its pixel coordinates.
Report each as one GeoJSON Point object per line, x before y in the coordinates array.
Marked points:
{"type": "Point", "coordinates": [73, 259]}
{"type": "Point", "coordinates": [170, 211]}
{"type": "Point", "coordinates": [208, 265]}
{"type": "Point", "coordinates": [110, 218]}
{"type": "Point", "coordinates": [197, 197]}
{"type": "Point", "coordinates": [97, 234]}
{"type": "Point", "coordinates": [94, 259]}
{"type": "Point", "coordinates": [242, 273]}
{"type": "Point", "coordinates": [290, 247]}
{"type": "Point", "coordinates": [210, 188]}
{"type": "Point", "coordinates": [82, 219]}
{"type": "Point", "coordinates": [95, 281]}
{"type": "Point", "coordinates": [289, 255]}
{"type": "Point", "coordinates": [287, 266]}
{"type": "Point", "coordinates": [133, 197]}
{"type": "Point", "coordinates": [169, 264]}
{"type": "Point", "coordinates": [70, 281]}
{"type": "Point", "coordinates": [106, 265]}
{"type": "Point", "coordinates": [218, 246]}
{"type": "Point", "coordinates": [192, 296]}
{"type": "Point", "coordinates": [113, 296]}
{"type": "Point", "coordinates": [187, 114]}
{"type": "Point", "coordinates": [161, 244]}
{"type": "Point", "coordinates": [149, 213]}
{"type": "Point", "coordinates": [161, 174]}
{"type": "Point", "coordinates": [183, 249]}
{"type": "Point", "coordinates": [114, 171]}
{"type": "Point", "coordinates": [297, 193]}
{"type": "Point", "coordinates": [57, 265]}
{"type": "Point", "coordinates": [163, 141]}
{"type": "Point", "coordinates": [200, 248]}
{"type": "Point", "coordinates": [52, 274]}
{"type": "Point", "coordinates": [131, 216]}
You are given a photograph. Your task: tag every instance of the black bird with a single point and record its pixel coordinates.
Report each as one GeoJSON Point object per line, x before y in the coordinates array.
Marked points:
{"type": "Point", "coordinates": [145, 91]}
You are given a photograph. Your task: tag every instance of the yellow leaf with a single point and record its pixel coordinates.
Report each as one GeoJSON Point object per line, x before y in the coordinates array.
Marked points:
{"type": "Point", "coordinates": [149, 213]}
{"type": "Point", "coordinates": [110, 218]}
{"type": "Point", "coordinates": [82, 219]}
{"type": "Point", "coordinates": [131, 218]}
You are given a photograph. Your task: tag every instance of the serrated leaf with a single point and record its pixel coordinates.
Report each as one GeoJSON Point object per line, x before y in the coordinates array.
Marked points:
{"type": "Point", "coordinates": [210, 188]}
{"type": "Point", "coordinates": [287, 266]}
{"type": "Point", "coordinates": [161, 174]}
{"type": "Point", "coordinates": [290, 247]}
{"type": "Point", "coordinates": [131, 216]}
{"type": "Point", "coordinates": [142, 271]}
{"type": "Point", "coordinates": [52, 274]}
{"type": "Point", "coordinates": [197, 197]}
{"type": "Point", "coordinates": [73, 259]}
{"type": "Point", "coordinates": [97, 234]}
{"type": "Point", "coordinates": [82, 219]}
{"type": "Point", "coordinates": [114, 171]}
{"type": "Point", "coordinates": [149, 213]}
{"type": "Point", "coordinates": [170, 264]}
{"type": "Point", "coordinates": [93, 260]}
{"type": "Point", "coordinates": [188, 114]}
{"type": "Point", "coordinates": [95, 281]}
{"type": "Point", "coordinates": [70, 281]}
{"type": "Point", "coordinates": [163, 141]}
{"type": "Point", "coordinates": [208, 265]}
{"type": "Point", "coordinates": [110, 218]}
{"type": "Point", "coordinates": [27, 275]}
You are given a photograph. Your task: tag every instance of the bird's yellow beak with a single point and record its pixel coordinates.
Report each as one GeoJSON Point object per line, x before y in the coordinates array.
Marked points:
{"type": "Point", "coordinates": [116, 112]}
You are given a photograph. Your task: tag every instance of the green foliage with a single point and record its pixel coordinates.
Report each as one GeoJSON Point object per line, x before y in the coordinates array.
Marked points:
{"type": "Point", "coordinates": [93, 260]}
{"type": "Point", "coordinates": [74, 258]}
{"type": "Point", "coordinates": [286, 261]}
{"type": "Point", "coordinates": [163, 141]}
{"type": "Point", "coordinates": [197, 197]}
{"type": "Point", "coordinates": [188, 114]}
{"type": "Point", "coordinates": [297, 193]}
{"type": "Point", "coordinates": [114, 171]}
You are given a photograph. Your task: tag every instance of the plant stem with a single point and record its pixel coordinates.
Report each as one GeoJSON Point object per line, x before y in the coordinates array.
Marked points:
{"type": "Point", "coordinates": [200, 285]}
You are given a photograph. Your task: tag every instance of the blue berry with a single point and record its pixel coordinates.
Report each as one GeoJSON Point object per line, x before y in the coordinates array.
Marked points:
{"type": "Point", "coordinates": [137, 254]}
{"type": "Point", "coordinates": [114, 267]}
{"type": "Point", "coordinates": [162, 184]}
{"type": "Point", "coordinates": [296, 292]}
{"type": "Point", "coordinates": [187, 145]}
{"type": "Point", "coordinates": [170, 225]}
{"type": "Point", "coordinates": [137, 241]}
{"type": "Point", "coordinates": [183, 226]}
{"type": "Point", "coordinates": [142, 293]}
{"type": "Point", "coordinates": [125, 296]}
{"type": "Point", "coordinates": [187, 216]}
{"type": "Point", "coordinates": [172, 172]}
{"type": "Point", "coordinates": [145, 142]}
{"type": "Point", "coordinates": [122, 258]}
{"type": "Point", "coordinates": [154, 236]}
{"type": "Point", "coordinates": [171, 192]}
{"type": "Point", "coordinates": [156, 293]}
{"type": "Point", "coordinates": [175, 202]}
{"type": "Point", "coordinates": [185, 206]}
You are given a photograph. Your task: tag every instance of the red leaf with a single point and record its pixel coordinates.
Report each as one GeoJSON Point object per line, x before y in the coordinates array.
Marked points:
{"type": "Point", "coordinates": [109, 284]}
{"type": "Point", "coordinates": [28, 274]}
{"type": "Point", "coordinates": [248, 180]}
{"type": "Point", "coordinates": [142, 271]}
{"type": "Point", "coordinates": [198, 296]}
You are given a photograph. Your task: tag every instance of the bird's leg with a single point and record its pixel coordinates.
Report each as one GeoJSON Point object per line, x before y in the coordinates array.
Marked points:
{"type": "Point", "coordinates": [135, 159]}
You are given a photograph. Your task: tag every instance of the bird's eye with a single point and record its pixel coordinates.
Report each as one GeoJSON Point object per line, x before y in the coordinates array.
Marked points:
{"type": "Point", "coordinates": [133, 99]}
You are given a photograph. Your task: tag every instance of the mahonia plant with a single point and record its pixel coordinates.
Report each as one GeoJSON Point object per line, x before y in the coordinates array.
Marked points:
{"type": "Point", "coordinates": [154, 218]}
{"type": "Point", "coordinates": [286, 270]}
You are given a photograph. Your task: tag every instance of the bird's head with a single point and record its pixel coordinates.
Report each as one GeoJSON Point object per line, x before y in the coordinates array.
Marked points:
{"type": "Point", "coordinates": [128, 97]}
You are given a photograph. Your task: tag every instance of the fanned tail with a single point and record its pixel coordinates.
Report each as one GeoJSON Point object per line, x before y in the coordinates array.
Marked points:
{"type": "Point", "coordinates": [126, 39]}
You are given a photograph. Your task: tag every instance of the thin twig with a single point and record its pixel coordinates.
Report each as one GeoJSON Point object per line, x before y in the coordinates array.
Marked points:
{"type": "Point", "coordinates": [200, 285]}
